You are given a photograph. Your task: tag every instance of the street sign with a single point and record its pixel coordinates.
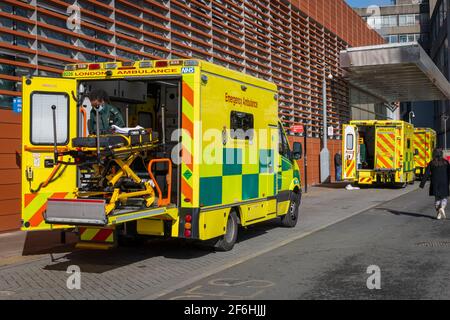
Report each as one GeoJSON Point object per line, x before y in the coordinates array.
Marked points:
{"type": "Point", "coordinates": [17, 104]}
{"type": "Point", "coordinates": [330, 131]}
{"type": "Point", "coordinates": [297, 129]}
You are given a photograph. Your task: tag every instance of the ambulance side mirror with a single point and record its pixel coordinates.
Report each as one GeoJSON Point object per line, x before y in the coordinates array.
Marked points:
{"type": "Point", "coordinates": [297, 151]}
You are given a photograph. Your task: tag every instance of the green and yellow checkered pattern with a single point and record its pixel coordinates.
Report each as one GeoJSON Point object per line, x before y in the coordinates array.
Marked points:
{"type": "Point", "coordinates": [235, 180]}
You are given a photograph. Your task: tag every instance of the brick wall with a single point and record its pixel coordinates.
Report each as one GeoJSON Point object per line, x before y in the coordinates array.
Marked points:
{"type": "Point", "coordinates": [10, 144]}
{"type": "Point", "coordinates": [313, 152]}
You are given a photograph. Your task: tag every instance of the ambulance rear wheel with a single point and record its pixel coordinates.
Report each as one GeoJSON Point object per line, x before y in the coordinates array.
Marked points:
{"type": "Point", "coordinates": [291, 218]}
{"type": "Point", "coordinates": [401, 185]}
{"type": "Point", "coordinates": [227, 241]}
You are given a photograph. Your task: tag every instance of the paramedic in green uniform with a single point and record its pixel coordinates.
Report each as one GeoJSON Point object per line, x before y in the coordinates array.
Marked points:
{"type": "Point", "coordinates": [108, 114]}
{"type": "Point", "coordinates": [363, 153]}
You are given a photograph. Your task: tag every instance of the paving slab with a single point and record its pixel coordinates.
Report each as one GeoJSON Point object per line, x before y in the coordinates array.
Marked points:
{"type": "Point", "coordinates": [158, 267]}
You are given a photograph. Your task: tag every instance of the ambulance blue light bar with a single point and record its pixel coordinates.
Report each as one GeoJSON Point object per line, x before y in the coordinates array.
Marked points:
{"type": "Point", "coordinates": [191, 63]}
{"type": "Point", "coordinates": [111, 65]}
{"type": "Point", "coordinates": [70, 67]}
{"type": "Point", "coordinates": [145, 64]}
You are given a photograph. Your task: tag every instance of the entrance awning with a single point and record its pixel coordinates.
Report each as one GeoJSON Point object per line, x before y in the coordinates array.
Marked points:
{"type": "Point", "coordinates": [395, 72]}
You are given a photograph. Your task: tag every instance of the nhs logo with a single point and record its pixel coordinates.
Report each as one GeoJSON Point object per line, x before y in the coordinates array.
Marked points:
{"type": "Point", "coordinates": [186, 70]}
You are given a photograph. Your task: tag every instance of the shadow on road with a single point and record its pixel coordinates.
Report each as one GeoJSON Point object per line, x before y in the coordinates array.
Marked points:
{"type": "Point", "coordinates": [333, 185]}
{"type": "Point", "coordinates": [99, 261]}
{"type": "Point", "coordinates": [403, 213]}
{"type": "Point", "coordinates": [47, 242]}
{"type": "Point", "coordinates": [257, 230]}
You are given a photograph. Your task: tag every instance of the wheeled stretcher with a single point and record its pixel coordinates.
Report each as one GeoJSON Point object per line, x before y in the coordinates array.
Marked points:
{"type": "Point", "coordinates": [115, 173]}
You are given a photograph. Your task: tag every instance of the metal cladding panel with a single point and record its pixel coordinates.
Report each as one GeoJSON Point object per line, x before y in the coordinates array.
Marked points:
{"type": "Point", "coordinates": [395, 72]}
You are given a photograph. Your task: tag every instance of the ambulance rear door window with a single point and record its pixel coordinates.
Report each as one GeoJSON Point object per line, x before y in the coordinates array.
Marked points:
{"type": "Point", "coordinates": [42, 118]}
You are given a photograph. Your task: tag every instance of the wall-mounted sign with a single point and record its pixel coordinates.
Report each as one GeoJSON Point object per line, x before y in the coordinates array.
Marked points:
{"type": "Point", "coordinates": [330, 131]}
{"type": "Point", "coordinates": [297, 129]}
{"type": "Point", "coordinates": [17, 104]}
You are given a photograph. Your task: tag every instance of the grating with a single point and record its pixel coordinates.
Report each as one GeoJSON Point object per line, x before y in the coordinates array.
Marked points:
{"type": "Point", "coordinates": [434, 244]}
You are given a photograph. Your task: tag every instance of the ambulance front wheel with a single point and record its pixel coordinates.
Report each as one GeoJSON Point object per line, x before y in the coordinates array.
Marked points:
{"type": "Point", "coordinates": [291, 218]}
{"type": "Point", "coordinates": [227, 241]}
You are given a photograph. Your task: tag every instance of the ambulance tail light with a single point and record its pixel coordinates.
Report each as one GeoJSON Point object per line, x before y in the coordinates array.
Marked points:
{"type": "Point", "coordinates": [161, 64]}
{"type": "Point", "coordinates": [188, 226]}
{"type": "Point", "coordinates": [191, 63]}
{"type": "Point", "coordinates": [95, 66]}
{"type": "Point", "coordinates": [71, 67]}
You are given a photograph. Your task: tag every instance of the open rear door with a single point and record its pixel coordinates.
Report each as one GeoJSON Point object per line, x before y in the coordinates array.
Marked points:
{"type": "Point", "coordinates": [421, 149]}
{"type": "Point", "coordinates": [349, 153]}
{"type": "Point", "coordinates": [41, 178]}
{"type": "Point", "coordinates": [386, 151]}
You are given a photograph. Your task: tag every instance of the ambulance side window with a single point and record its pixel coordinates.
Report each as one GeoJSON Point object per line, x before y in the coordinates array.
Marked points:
{"type": "Point", "coordinates": [283, 144]}
{"type": "Point", "coordinates": [41, 114]}
{"type": "Point", "coordinates": [242, 125]}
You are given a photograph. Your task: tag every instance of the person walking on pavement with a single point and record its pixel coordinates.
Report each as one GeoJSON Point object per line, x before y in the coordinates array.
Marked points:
{"type": "Point", "coordinates": [438, 170]}
{"type": "Point", "coordinates": [338, 166]}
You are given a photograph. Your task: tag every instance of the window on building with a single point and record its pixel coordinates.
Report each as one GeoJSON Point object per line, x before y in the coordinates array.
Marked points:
{"type": "Point", "coordinates": [389, 21]}
{"type": "Point", "coordinates": [409, 19]}
{"type": "Point", "coordinates": [407, 37]}
{"type": "Point", "coordinates": [374, 22]}
{"type": "Point", "coordinates": [393, 38]}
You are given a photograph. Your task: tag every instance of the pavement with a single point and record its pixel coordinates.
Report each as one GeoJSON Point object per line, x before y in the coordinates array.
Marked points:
{"type": "Point", "coordinates": [400, 239]}
{"type": "Point", "coordinates": [158, 268]}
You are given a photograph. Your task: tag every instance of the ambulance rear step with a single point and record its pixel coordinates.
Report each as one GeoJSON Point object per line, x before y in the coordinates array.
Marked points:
{"type": "Point", "coordinates": [387, 170]}
{"type": "Point", "coordinates": [90, 212]}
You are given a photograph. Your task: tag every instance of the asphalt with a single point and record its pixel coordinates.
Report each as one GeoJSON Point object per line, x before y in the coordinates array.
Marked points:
{"type": "Point", "coordinates": [401, 237]}
{"type": "Point", "coordinates": [30, 268]}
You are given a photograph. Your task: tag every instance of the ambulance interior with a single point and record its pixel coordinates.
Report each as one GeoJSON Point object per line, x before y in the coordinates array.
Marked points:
{"type": "Point", "coordinates": [366, 147]}
{"type": "Point", "coordinates": [153, 105]}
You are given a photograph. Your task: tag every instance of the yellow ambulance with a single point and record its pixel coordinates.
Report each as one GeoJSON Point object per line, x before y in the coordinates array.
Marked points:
{"type": "Point", "coordinates": [378, 152]}
{"type": "Point", "coordinates": [203, 152]}
{"type": "Point", "coordinates": [424, 144]}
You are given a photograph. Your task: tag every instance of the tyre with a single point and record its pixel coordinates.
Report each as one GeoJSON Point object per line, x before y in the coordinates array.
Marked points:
{"type": "Point", "coordinates": [291, 218]}
{"type": "Point", "coordinates": [400, 185]}
{"type": "Point", "coordinates": [227, 241]}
